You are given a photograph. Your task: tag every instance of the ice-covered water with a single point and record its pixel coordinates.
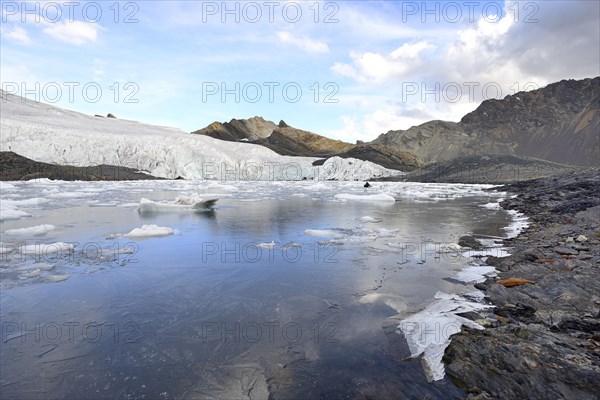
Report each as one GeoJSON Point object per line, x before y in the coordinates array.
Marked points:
{"type": "Point", "coordinates": [297, 289]}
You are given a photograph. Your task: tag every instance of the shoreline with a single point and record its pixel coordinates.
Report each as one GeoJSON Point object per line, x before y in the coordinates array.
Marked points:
{"type": "Point", "coordinates": [545, 340]}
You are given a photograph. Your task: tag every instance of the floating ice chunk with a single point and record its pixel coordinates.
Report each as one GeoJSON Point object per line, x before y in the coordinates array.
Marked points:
{"type": "Point", "coordinates": [180, 204]}
{"type": "Point", "coordinates": [58, 278]}
{"type": "Point", "coordinates": [47, 248]}
{"type": "Point", "coordinates": [9, 209]}
{"type": "Point", "coordinates": [322, 233]}
{"type": "Point", "coordinates": [367, 219]}
{"type": "Point", "coordinates": [428, 332]}
{"type": "Point", "coordinates": [149, 231]}
{"type": "Point", "coordinates": [382, 232]}
{"type": "Point", "coordinates": [32, 273]}
{"type": "Point", "coordinates": [475, 274]}
{"type": "Point", "coordinates": [8, 213]}
{"type": "Point", "coordinates": [492, 206]}
{"type": "Point", "coordinates": [37, 230]}
{"type": "Point", "coordinates": [266, 245]}
{"type": "Point", "coordinates": [379, 197]}
{"type": "Point", "coordinates": [35, 201]}
{"type": "Point", "coordinates": [8, 247]}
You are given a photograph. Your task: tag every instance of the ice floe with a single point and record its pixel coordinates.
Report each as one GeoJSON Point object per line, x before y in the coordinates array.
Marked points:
{"type": "Point", "coordinates": [475, 274]}
{"type": "Point", "coordinates": [322, 233]}
{"type": "Point", "coordinates": [383, 197]}
{"type": "Point", "coordinates": [428, 332]}
{"type": "Point", "coordinates": [38, 230]}
{"type": "Point", "coordinates": [149, 231]}
{"type": "Point", "coordinates": [369, 219]}
{"type": "Point", "coordinates": [47, 248]}
{"type": "Point", "coordinates": [179, 204]}
{"type": "Point", "coordinates": [270, 245]}
{"type": "Point", "coordinates": [58, 278]}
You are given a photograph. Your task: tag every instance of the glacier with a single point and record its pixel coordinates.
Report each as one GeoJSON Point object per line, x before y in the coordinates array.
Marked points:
{"type": "Point", "coordinates": [54, 135]}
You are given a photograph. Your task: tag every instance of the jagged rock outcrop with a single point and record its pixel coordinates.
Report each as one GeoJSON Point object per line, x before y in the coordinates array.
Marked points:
{"type": "Point", "coordinates": [559, 123]}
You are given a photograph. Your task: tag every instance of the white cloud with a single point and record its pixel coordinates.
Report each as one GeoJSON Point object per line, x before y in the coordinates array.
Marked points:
{"type": "Point", "coordinates": [345, 70]}
{"type": "Point", "coordinates": [306, 44]}
{"type": "Point", "coordinates": [411, 51]}
{"type": "Point", "coordinates": [17, 34]}
{"type": "Point", "coordinates": [74, 32]}
{"type": "Point", "coordinates": [379, 68]}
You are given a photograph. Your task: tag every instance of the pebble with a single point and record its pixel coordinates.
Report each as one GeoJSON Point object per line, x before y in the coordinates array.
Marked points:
{"type": "Point", "coordinates": [581, 239]}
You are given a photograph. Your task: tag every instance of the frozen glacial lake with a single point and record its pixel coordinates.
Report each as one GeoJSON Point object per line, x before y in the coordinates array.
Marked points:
{"type": "Point", "coordinates": [287, 289]}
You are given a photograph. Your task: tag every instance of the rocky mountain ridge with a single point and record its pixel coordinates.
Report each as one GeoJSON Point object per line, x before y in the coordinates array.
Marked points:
{"type": "Point", "coordinates": [289, 141]}
{"type": "Point", "coordinates": [558, 123]}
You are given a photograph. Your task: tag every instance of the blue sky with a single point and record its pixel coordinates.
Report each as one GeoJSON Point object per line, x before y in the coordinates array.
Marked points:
{"type": "Point", "coordinates": [363, 67]}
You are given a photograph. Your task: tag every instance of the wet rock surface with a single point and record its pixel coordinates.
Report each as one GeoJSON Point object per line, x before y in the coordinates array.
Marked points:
{"type": "Point", "coordinates": [545, 342]}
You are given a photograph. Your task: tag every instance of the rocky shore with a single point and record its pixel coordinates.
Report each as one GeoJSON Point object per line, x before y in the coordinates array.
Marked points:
{"type": "Point", "coordinates": [543, 341]}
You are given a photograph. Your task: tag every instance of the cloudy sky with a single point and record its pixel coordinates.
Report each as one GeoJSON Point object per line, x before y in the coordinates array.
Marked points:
{"type": "Point", "coordinates": [346, 69]}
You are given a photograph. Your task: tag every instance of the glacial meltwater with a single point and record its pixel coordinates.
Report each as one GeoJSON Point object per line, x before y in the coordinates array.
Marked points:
{"type": "Point", "coordinates": [281, 290]}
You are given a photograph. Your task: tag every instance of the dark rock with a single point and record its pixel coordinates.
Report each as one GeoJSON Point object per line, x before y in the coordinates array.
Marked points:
{"type": "Point", "coordinates": [545, 345]}
{"type": "Point", "coordinates": [469, 241]}
{"type": "Point", "coordinates": [14, 167]}
{"type": "Point", "coordinates": [282, 124]}
{"type": "Point", "coordinates": [566, 251]}
{"type": "Point", "coordinates": [109, 115]}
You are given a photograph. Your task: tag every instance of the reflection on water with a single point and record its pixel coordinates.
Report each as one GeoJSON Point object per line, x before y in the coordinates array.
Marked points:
{"type": "Point", "coordinates": [206, 313]}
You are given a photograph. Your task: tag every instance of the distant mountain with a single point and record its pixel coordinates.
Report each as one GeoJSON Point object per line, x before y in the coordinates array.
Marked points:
{"type": "Point", "coordinates": [289, 141]}
{"type": "Point", "coordinates": [239, 129]}
{"type": "Point", "coordinates": [558, 123]}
